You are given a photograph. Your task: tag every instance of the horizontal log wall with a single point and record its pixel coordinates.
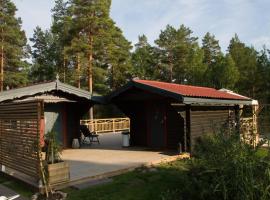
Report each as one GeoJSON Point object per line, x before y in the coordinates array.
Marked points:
{"type": "Point", "coordinates": [20, 136]}
{"type": "Point", "coordinates": [206, 122]}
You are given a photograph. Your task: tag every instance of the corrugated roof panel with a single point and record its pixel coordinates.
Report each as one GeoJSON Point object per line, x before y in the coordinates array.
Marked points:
{"type": "Point", "coordinates": [43, 88]}
{"type": "Point", "coordinates": [192, 91]}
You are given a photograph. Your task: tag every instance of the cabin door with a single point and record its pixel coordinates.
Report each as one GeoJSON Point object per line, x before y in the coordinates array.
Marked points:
{"type": "Point", "coordinates": [157, 126]}
{"type": "Point", "coordinates": [53, 120]}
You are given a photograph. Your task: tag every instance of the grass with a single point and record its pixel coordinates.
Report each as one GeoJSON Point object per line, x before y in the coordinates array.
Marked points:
{"type": "Point", "coordinates": [143, 183]}
{"type": "Point", "coordinates": [262, 152]}
{"type": "Point", "coordinates": [140, 184]}
{"type": "Point", "coordinates": [18, 187]}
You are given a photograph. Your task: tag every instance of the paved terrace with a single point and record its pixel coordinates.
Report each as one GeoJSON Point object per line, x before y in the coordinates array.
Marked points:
{"type": "Point", "coordinates": [109, 158]}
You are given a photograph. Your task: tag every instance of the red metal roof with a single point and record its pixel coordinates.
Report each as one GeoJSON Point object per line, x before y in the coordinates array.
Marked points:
{"type": "Point", "coordinates": [191, 91]}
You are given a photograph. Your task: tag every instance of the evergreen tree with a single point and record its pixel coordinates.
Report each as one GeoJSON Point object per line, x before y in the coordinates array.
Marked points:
{"type": "Point", "coordinates": [211, 49]}
{"type": "Point", "coordinates": [118, 58]}
{"type": "Point", "coordinates": [224, 73]}
{"type": "Point", "coordinates": [43, 56]}
{"type": "Point", "coordinates": [245, 59]}
{"type": "Point", "coordinates": [13, 47]}
{"type": "Point", "coordinates": [61, 25]}
{"type": "Point", "coordinates": [263, 76]}
{"type": "Point", "coordinates": [144, 59]}
{"type": "Point", "coordinates": [181, 56]}
{"type": "Point", "coordinates": [212, 57]}
{"type": "Point", "coordinates": [90, 21]}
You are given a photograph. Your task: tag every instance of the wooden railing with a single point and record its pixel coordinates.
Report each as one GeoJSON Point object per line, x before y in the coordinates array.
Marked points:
{"type": "Point", "coordinates": [107, 125]}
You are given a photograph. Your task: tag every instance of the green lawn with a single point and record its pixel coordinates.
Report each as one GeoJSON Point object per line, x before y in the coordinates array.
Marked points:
{"type": "Point", "coordinates": [20, 188]}
{"type": "Point", "coordinates": [143, 183]}
{"type": "Point", "coordinates": [139, 184]}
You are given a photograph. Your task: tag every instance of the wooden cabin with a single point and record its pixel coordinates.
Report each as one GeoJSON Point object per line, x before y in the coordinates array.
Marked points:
{"type": "Point", "coordinates": [64, 106]}
{"type": "Point", "coordinates": [171, 116]}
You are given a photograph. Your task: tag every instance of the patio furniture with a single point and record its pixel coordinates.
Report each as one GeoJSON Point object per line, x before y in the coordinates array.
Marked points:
{"type": "Point", "coordinates": [93, 137]}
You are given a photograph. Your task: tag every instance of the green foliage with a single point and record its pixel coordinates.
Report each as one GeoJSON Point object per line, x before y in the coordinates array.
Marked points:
{"type": "Point", "coordinates": [180, 56]}
{"type": "Point", "coordinates": [211, 49]}
{"type": "Point", "coordinates": [43, 55]}
{"type": "Point", "coordinates": [227, 168]}
{"type": "Point", "coordinates": [144, 60]}
{"type": "Point", "coordinates": [82, 29]}
{"type": "Point", "coordinates": [223, 73]}
{"type": "Point", "coordinates": [14, 44]}
{"type": "Point", "coordinates": [245, 59]}
{"type": "Point", "coordinates": [53, 149]}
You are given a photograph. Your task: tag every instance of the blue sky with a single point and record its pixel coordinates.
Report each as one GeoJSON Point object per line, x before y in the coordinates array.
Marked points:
{"type": "Point", "coordinates": [250, 19]}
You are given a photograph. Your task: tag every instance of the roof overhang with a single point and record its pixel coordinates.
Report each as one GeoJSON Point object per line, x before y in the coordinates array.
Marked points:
{"type": "Point", "coordinates": [47, 88]}
{"type": "Point", "coordinates": [182, 99]}
{"type": "Point", "coordinates": [204, 101]}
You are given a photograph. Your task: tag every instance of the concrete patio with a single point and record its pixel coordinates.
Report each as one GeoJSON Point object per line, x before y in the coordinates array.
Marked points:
{"type": "Point", "coordinates": [109, 158]}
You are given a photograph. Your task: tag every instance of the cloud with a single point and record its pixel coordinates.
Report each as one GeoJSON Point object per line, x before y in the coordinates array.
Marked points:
{"type": "Point", "coordinates": [248, 18]}
{"type": "Point", "coordinates": [259, 42]}
{"type": "Point", "coordinates": [223, 18]}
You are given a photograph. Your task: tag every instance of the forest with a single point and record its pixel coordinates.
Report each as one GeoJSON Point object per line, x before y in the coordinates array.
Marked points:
{"type": "Point", "coordinates": [88, 50]}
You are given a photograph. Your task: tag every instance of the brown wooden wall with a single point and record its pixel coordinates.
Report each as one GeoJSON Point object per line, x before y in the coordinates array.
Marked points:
{"type": "Point", "coordinates": [20, 125]}
{"type": "Point", "coordinates": [208, 121]}
{"type": "Point", "coordinates": [175, 128]}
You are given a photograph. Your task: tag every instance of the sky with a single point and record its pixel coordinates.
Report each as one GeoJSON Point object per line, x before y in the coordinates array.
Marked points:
{"type": "Point", "coordinates": [250, 19]}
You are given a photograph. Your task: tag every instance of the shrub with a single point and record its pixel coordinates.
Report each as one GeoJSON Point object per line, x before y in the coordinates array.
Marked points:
{"type": "Point", "coordinates": [223, 167]}
{"type": "Point", "coordinates": [230, 169]}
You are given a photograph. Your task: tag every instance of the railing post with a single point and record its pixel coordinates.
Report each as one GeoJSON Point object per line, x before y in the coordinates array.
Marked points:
{"type": "Point", "coordinates": [113, 126]}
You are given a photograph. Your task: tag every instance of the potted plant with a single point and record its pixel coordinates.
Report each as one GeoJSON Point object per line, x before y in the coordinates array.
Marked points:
{"type": "Point", "coordinates": [57, 169]}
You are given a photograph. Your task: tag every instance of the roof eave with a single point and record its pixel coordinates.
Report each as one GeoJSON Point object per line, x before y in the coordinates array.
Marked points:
{"type": "Point", "coordinates": [192, 100]}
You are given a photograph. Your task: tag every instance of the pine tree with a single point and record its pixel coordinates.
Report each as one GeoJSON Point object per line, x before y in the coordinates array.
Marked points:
{"type": "Point", "coordinates": [144, 59]}
{"type": "Point", "coordinates": [90, 20]}
{"type": "Point", "coordinates": [118, 58]}
{"type": "Point", "coordinates": [13, 47]}
{"type": "Point", "coordinates": [245, 59]}
{"type": "Point", "coordinates": [60, 29]}
{"type": "Point", "coordinates": [44, 56]}
{"type": "Point", "coordinates": [224, 73]}
{"type": "Point", "coordinates": [180, 54]}
{"type": "Point", "coordinates": [211, 49]}
{"type": "Point", "coordinates": [212, 57]}
{"type": "Point", "coordinates": [263, 76]}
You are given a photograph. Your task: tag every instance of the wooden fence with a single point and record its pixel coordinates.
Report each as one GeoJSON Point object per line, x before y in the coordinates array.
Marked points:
{"type": "Point", "coordinates": [20, 136]}
{"type": "Point", "coordinates": [107, 125]}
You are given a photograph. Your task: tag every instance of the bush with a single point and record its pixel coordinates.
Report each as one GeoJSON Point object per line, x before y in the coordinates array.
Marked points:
{"type": "Point", "coordinates": [230, 169]}
{"type": "Point", "coordinates": [225, 168]}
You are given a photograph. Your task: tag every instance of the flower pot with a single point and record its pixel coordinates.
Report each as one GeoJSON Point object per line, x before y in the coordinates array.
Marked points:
{"type": "Point", "coordinates": [58, 173]}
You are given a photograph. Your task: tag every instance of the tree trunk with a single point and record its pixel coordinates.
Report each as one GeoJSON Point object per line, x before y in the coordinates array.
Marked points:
{"type": "Point", "coordinates": [113, 86]}
{"type": "Point", "coordinates": [78, 71]}
{"type": "Point", "coordinates": [170, 67]}
{"type": "Point", "coordinates": [90, 71]}
{"type": "Point", "coordinates": [2, 64]}
{"type": "Point", "coordinates": [64, 70]}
